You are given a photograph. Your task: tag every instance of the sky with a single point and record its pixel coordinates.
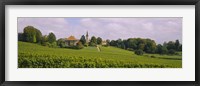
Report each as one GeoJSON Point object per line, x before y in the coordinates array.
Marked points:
{"type": "Point", "coordinates": [159, 29]}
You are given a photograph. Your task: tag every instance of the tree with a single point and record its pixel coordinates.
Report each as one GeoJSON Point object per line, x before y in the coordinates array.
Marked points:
{"type": "Point", "coordinates": [20, 37]}
{"type": "Point", "coordinates": [83, 40]}
{"type": "Point", "coordinates": [171, 45]}
{"type": "Point", "coordinates": [171, 51]}
{"type": "Point", "coordinates": [108, 42]}
{"type": "Point", "coordinates": [132, 43]}
{"type": "Point", "coordinates": [113, 43]}
{"type": "Point", "coordinates": [119, 43]}
{"type": "Point", "coordinates": [164, 50]}
{"type": "Point", "coordinates": [29, 34]}
{"type": "Point", "coordinates": [99, 40]}
{"type": "Point", "coordinates": [177, 45]}
{"type": "Point", "coordinates": [93, 41]}
{"type": "Point", "coordinates": [161, 49]}
{"type": "Point", "coordinates": [38, 36]}
{"type": "Point", "coordinates": [51, 38]}
{"type": "Point", "coordinates": [61, 43]}
{"type": "Point", "coordinates": [44, 40]}
{"type": "Point", "coordinates": [180, 48]}
{"type": "Point", "coordinates": [150, 46]}
{"type": "Point", "coordinates": [125, 44]}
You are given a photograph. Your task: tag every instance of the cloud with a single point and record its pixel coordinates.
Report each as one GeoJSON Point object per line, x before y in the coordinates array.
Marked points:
{"type": "Point", "coordinates": [159, 29]}
{"type": "Point", "coordinates": [45, 25]}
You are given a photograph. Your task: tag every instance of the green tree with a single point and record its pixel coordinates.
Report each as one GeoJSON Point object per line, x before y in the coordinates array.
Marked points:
{"type": "Point", "coordinates": [44, 40]}
{"type": "Point", "coordinates": [93, 41]}
{"type": "Point", "coordinates": [139, 52]}
{"type": "Point", "coordinates": [150, 46]}
{"type": "Point", "coordinates": [171, 45]}
{"type": "Point", "coordinates": [113, 43]}
{"type": "Point", "coordinates": [172, 51]}
{"type": "Point", "coordinates": [161, 49]}
{"type": "Point", "coordinates": [108, 42]}
{"type": "Point", "coordinates": [51, 38]}
{"type": "Point", "coordinates": [38, 36]}
{"type": "Point", "coordinates": [29, 34]}
{"type": "Point", "coordinates": [83, 40]}
{"type": "Point", "coordinates": [164, 50]}
{"type": "Point", "coordinates": [119, 43]}
{"type": "Point", "coordinates": [132, 43]}
{"type": "Point", "coordinates": [180, 48]}
{"type": "Point", "coordinates": [177, 45]}
{"type": "Point", "coordinates": [20, 37]}
{"type": "Point", "coordinates": [61, 43]}
{"type": "Point", "coordinates": [99, 40]}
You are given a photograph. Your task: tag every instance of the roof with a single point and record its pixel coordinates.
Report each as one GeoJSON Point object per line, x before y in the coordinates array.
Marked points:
{"type": "Point", "coordinates": [71, 38]}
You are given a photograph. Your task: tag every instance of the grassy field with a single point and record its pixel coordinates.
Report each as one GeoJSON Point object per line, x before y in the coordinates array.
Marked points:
{"type": "Point", "coordinates": [37, 56]}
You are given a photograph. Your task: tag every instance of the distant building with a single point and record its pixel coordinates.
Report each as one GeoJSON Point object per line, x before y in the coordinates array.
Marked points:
{"type": "Point", "coordinates": [104, 43]}
{"type": "Point", "coordinates": [71, 41]}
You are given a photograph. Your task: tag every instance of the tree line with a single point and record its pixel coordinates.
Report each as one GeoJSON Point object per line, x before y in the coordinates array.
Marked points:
{"type": "Point", "coordinates": [33, 35]}
{"type": "Point", "coordinates": [140, 45]}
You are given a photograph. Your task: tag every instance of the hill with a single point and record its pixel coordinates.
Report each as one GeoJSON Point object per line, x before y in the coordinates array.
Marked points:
{"type": "Point", "coordinates": [36, 56]}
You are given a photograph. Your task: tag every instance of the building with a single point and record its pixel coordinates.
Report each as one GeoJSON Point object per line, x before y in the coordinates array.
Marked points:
{"type": "Point", "coordinates": [104, 43]}
{"type": "Point", "coordinates": [71, 41]}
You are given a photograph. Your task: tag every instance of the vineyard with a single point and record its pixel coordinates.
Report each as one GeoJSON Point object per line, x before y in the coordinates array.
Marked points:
{"type": "Point", "coordinates": [36, 56]}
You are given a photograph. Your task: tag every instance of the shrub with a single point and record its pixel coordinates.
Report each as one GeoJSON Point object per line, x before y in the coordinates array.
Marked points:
{"type": "Point", "coordinates": [139, 52]}
{"type": "Point", "coordinates": [79, 45]}
{"type": "Point", "coordinates": [52, 45]}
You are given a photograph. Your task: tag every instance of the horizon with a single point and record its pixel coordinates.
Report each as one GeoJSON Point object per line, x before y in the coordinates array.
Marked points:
{"type": "Point", "coordinates": [158, 29]}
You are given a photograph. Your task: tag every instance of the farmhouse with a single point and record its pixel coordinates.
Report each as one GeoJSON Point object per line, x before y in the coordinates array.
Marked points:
{"type": "Point", "coordinates": [71, 41]}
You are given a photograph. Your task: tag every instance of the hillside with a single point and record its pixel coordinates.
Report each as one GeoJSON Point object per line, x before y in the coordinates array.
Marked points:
{"type": "Point", "coordinates": [36, 56]}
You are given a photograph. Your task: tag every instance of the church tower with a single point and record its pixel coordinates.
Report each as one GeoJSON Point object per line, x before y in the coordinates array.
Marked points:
{"type": "Point", "coordinates": [87, 39]}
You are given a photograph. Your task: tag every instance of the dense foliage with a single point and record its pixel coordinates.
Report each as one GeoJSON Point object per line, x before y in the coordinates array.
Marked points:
{"type": "Point", "coordinates": [51, 38]}
{"type": "Point", "coordinates": [147, 45]}
{"type": "Point", "coordinates": [83, 40]}
{"type": "Point", "coordinates": [99, 40]}
{"type": "Point", "coordinates": [61, 43]}
{"type": "Point", "coordinates": [93, 41]}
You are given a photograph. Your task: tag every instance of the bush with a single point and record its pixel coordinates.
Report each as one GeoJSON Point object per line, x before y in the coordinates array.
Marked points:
{"type": "Point", "coordinates": [79, 45]}
{"type": "Point", "coordinates": [172, 51]}
{"type": "Point", "coordinates": [139, 52]}
{"type": "Point", "coordinates": [52, 45]}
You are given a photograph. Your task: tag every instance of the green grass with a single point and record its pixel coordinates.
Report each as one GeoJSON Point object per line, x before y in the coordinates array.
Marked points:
{"type": "Point", "coordinates": [36, 56]}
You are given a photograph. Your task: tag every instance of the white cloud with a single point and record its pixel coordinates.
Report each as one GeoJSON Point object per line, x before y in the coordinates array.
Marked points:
{"type": "Point", "coordinates": [160, 29]}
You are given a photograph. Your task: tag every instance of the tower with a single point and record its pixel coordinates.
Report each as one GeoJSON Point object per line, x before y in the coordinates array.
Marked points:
{"type": "Point", "coordinates": [87, 40]}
